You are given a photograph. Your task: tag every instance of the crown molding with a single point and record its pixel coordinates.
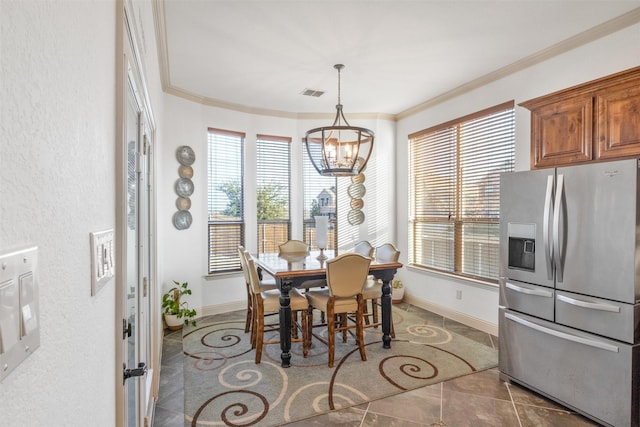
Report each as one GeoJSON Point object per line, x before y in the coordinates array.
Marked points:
{"type": "Point", "coordinates": [630, 18]}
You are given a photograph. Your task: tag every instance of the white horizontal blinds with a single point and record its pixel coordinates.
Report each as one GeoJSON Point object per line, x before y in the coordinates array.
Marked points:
{"type": "Point", "coordinates": [225, 199]}
{"type": "Point", "coordinates": [433, 167]}
{"type": "Point", "coordinates": [455, 194]}
{"type": "Point", "coordinates": [486, 151]}
{"type": "Point", "coordinates": [273, 182]}
{"type": "Point", "coordinates": [319, 199]}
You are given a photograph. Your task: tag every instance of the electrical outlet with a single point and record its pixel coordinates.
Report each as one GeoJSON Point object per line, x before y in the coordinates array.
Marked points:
{"type": "Point", "coordinates": [458, 294]}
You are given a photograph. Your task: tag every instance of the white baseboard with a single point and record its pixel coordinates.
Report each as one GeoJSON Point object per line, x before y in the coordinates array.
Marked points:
{"type": "Point", "coordinates": [458, 316]}
{"type": "Point", "coordinates": [210, 310]}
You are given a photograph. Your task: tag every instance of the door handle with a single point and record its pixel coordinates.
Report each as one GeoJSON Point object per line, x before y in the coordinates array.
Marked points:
{"type": "Point", "coordinates": [591, 305]}
{"type": "Point", "coordinates": [548, 248]}
{"type": "Point", "coordinates": [562, 335]}
{"type": "Point", "coordinates": [536, 292]}
{"type": "Point", "coordinates": [135, 372]}
{"type": "Point", "coordinates": [557, 256]}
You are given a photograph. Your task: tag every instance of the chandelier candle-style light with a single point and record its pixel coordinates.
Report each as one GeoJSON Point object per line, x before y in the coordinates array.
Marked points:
{"type": "Point", "coordinates": [339, 149]}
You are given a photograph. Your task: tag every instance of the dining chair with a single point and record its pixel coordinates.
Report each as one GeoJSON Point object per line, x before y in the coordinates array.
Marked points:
{"type": "Point", "coordinates": [267, 302]}
{"type": "Point", "coordinates": [373, 288]}
{"type": "Point", "coordinates": [364, 248]}
{"type": "Point", "coordinates": [346, 276]}
{"type": "Point", "coordinates": [293, 246]}
{"type": "Point", "coordinates": [264, 286]}
{"type": "Point", "coordinates": [298, 247]}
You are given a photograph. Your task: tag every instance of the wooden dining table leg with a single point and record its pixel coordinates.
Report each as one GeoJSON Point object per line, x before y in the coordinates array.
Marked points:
{"type": "Point", "coordinates": [285, 323]}
{"type": "Point", "coordinates": [385, 302]}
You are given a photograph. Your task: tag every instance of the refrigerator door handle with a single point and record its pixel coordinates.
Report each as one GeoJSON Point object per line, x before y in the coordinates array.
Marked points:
{"type": "Point", "coordinates": [548, 249]}
{"type": "Point", "coordinates": [591, 305]}
{"type": "Point", "coordinates": [562, 335]}
{"type": "Point", "coordinates": [556, 227]}
{"type": "Point", "coordinates": [535, 292]}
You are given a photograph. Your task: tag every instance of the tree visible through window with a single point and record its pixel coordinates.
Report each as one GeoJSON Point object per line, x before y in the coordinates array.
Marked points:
{"type": "Point", "coordinates": [225, 199]}
{"type": "Point", "coordinates": [455, 192]}
{"type": "Point", "coordinates": [273, 158]}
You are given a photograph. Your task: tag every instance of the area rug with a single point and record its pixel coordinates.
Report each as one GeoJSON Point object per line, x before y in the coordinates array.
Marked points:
{"type": "Point", "coordinates": [224, 387]}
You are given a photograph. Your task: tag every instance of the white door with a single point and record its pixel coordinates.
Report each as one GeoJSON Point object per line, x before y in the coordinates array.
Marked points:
{"type": "Point", "coordinates": [136, 347]}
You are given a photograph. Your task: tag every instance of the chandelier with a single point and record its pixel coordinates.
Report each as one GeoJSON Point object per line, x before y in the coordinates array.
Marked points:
{"type": "Point", "coordinates": [339, 149]}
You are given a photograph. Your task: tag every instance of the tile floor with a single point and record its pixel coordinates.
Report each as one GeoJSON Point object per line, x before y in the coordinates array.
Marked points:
{"type": "Point", "coordinates": [479, 399]}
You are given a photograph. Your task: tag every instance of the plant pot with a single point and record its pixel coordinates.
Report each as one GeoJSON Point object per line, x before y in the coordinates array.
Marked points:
{"type": "Point", "coordinates": [173, 322]}
{"type": "Point", "coordinates": [397, 294]}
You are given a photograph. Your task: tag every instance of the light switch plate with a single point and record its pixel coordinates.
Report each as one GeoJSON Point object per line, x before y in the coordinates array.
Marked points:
{"type": "Point", "coordinates": [19, 308]}
{"type": "Point", "coordinates": [102, 259]}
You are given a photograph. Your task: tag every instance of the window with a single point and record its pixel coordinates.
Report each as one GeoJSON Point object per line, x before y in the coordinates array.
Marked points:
{"type": "Point", "coordinates": [273, 156]}
{"type": "Point", "coordinates": [455, 192]}
{"type": "Point", "coordinates": [319, 199]}
{"type": "Point", "coordinates": [225, 199]}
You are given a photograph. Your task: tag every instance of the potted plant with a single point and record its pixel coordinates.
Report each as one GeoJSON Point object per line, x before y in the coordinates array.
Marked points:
{"type": "Point", "coordinates": [397, 291]}
{"type": "Point", "coordinates": [176, 313]}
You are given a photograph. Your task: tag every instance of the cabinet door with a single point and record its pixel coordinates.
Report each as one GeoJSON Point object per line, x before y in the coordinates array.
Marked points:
{"type": "Point", "coordinates": [618, 123]}
{"type": "Point", "coordinates": [561, 132]}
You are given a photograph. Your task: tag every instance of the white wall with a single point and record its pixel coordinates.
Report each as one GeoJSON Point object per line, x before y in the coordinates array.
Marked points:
{"type": "Point", "coordinates": [57, 184]}
{"type": "Point", "coordinates": [611, 54]}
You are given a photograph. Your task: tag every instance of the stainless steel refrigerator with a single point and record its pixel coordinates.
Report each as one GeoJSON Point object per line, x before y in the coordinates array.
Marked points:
{"type": "Point", "coordinates": [570, 286]}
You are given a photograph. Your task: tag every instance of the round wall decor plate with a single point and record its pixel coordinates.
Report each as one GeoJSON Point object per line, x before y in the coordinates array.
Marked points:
{"type": "Point", "coordinates": [185, 171]}
{"type": "Point", "coordinates": [185, 155]}
{"type": "Point", "coordinates": [356, 191]}
{"type": "Point", "coordinates": [183, 203]}
{"type": "Point", "coordinates": [355, 217]}
{"type": "Point", "coordinates": [184, 187]}
{"type": "Point", "coordinates": [357, 203]}
{"type": "Point", "coordinates": [358, 179]}
{"type": "Point", "coordinates": [182, 220]}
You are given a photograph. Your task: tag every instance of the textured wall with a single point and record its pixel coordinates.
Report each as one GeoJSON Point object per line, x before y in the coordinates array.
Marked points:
{"type": "Point", "coordinates": [57, 184]}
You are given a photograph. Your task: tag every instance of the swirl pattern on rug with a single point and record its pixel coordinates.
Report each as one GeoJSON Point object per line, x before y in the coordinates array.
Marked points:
{"type": "Point", "coordinates": [224, 387]}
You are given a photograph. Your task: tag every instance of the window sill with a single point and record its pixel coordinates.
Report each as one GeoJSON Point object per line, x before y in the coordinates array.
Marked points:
{"type": "Point", "coordinates": [465, 279]}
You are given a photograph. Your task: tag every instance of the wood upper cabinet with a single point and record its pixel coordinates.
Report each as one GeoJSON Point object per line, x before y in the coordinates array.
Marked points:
{"type": "Point", "coordinates": [599, 120]}
{"type": "Point", "coordinates": [618, 123]}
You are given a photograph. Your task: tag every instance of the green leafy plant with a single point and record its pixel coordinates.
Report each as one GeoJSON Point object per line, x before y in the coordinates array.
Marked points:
{"type": "Point", "coordinates": [396, 283]}
{"type": "Point", "coordinates": [171, 303]}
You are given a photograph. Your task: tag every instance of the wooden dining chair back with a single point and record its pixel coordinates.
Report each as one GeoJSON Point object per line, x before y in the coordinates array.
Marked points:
{"type": "Point", "coordinates": [387, 253]}
{"type": "Point", "coordinates": [293, 246]}
{"type": "Point", "coordinates": [373, 289]}
{"type": "Point", "coordinates": [265, 285]}
{"type": "Point", "coordinates": [247, 281]}
{"type": "Point", "coordinates": [346, 276]}
{"type": "Point", "coordinates": [364, 248]}
{"type": "Point", "coordinates": [267, 302]}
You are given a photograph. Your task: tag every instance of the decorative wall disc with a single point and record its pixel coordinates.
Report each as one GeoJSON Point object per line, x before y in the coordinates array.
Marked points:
{"type": "Point", "coordinates": [357, 203]}
{"type": "Point", "coordinates": [183, 203]}
{"type": "Point", "coordinates": [185, 171]}
{"type": "Point", "coordinates": [355, 217]}
{"type": "Point", "coordinates": [184, 187]}
{"type": "Point", "coordinates": [358, 179]}
{"type": "Point", "coordinates": [185, 155]}
{"type": "Point", "coordinates": [182, 220]}
{"type": "Point", "coordinates": [356, 191]}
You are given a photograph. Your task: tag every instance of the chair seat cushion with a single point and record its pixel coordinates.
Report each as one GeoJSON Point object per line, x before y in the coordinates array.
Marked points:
{"type": "Point", "coordinates": [271, 300]}
{"type": "Point", "coordinates": [319, 299]}
{"type": "Point", "coordinates": [372, 289]}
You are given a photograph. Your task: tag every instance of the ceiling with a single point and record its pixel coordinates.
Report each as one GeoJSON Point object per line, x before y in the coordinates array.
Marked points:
{"type": "Point", "coordinates": [260, 56]}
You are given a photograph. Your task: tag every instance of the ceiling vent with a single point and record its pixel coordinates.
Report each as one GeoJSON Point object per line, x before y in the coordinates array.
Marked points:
{"type": "Point", "coordinates": [311, 92]}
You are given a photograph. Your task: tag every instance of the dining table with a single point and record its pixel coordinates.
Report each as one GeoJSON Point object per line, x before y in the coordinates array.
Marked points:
{"type": "Point", "coordinates": [309, 269]}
